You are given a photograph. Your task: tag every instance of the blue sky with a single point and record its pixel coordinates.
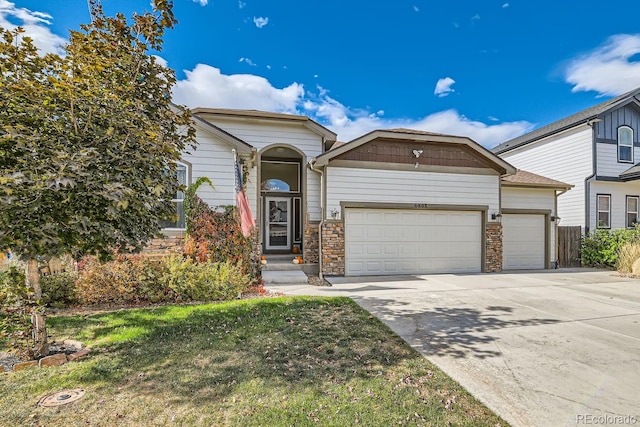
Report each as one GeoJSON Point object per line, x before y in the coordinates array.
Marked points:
{"type": "Point", "coordinates": [490, 70]}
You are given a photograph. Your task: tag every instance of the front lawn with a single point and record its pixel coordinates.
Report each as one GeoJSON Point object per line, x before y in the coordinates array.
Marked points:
{"type": "Point", "coordinates": [269, 362]}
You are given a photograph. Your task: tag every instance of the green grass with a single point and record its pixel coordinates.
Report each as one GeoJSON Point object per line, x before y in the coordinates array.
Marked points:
{"type": "Point", "coordinates": [262, 362]}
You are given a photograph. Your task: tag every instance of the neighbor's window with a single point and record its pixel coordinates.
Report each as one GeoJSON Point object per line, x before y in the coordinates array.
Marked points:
{"type": "Point", "coordinates": [604, 210]}
{"type": "Point", "coordinates": [178, 201]}
{"type": "Point", "coordinates": [632, 211]}
{"type": "Point", "coordinates": [625, 144]}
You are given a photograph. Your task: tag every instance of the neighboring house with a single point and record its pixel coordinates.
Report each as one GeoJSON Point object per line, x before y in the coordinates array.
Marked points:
{"type": "Point", "coordinates": [597, 151]}
{"type": "Point", "coordinates": [394, 201]}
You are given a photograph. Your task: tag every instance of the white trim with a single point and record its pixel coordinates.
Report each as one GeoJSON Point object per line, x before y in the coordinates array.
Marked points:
{"type": "Point", "coordinates": [620, 144]}
{"type": "Point", "coordinates": [627, 211]}
{"type": "Point", "coordinates": [268, 223]}
{"type": "Point", "coordinates": [177, 200]}
{"type": "Point", "coordinates": [607, 211]}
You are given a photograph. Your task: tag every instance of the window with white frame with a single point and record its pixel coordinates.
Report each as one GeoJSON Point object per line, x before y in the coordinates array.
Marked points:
{"type": "Point", "coordinates": [180, 222]}
{"type": "Point", "coordinates": [604, 210]}
{"type": "Point", "coordinates": [632, 211]}
{"type": "Point", "coordinates": [625, 144]}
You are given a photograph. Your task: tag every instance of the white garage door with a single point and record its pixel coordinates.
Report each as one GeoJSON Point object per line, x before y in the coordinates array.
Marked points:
{"type": "Point", "coordinates": [390, 241]}
{"type": "Point", "coordinates": [523, 241]}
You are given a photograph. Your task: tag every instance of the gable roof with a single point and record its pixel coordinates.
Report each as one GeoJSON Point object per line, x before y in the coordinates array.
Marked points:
{"type": "Point", "coordinates": [631, 174]}
{"type": "Point", "coordinates": [241, 146]}
{"type": "Point", "coordinates": [581, 117]}
{"type": "Point", "coordinates": [315, 127]}
{"type": "Point", "coordinates": [528, 179]}
{"type": "Point", "coordinates": [419, 136]}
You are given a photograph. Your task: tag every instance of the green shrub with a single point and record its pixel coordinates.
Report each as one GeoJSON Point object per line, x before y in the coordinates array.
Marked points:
{"type": "Point", "coordinates": [629, 253]}
{"type": "Point", "coordinates": [129, 279]}
{"type": "Point", "coordinates": [16, 306]}
{"type": "Point", "coordinates": [205, 281]}
{"type": "Point", "coordinates": [601, 247]}
{"type": "Point", "coordinates": [59, 290]}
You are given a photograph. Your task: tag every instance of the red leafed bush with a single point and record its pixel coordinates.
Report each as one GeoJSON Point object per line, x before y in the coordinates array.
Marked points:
{"type": "Point", "coordinates": [216, 236]}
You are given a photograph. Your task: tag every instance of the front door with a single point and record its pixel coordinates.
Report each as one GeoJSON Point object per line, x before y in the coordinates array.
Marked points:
{"type": "Point", "coordinates": [278, 224]}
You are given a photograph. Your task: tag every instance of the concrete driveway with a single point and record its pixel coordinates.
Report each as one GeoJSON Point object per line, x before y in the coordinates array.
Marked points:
{"type": "Point", "coordinates": [544, 348]}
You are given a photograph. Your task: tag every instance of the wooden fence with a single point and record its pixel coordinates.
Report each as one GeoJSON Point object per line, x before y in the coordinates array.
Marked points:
{"type": "Point", "coordinates": [569, 246]}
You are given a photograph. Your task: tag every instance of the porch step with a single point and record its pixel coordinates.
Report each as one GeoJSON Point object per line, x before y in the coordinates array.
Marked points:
{"type": "Point", "coordinates": [281, 263]}
{"type": "Point", "coordinates": [281, 277]}
{"type": "Point", "coordinates": [281, 266]}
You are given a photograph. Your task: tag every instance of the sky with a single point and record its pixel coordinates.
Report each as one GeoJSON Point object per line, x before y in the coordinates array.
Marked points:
{"type": "Point", "coordinates": [489, 70]}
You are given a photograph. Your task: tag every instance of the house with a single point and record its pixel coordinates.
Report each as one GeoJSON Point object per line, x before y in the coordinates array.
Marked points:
{"type": "Point", "coordinates": [597, 151]}
{"type": "Point", "coordinates": [395, 201]}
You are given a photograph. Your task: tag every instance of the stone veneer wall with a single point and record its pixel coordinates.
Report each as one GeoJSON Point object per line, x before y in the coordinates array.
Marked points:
{"type": "Point", "coordinates": [333, 248]}
{"type": "Point", "coordinates": [166, 246]}
{"type": "Point", "coordinates": [310, 243]}
{"type": "Point", "coordinates": [494, 248]}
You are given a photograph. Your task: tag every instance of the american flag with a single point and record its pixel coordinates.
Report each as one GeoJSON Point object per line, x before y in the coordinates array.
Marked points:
{"type": "Point", "coordinates": [242, 203]}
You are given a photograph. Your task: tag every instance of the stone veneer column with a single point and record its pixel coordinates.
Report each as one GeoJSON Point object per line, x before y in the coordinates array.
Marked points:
{"type": "Point", "coordinates": [494, 248]}
{"type": "Point", "coordinates": [310, 244]}
{"type": "Point", "coordinates": [333, 248]}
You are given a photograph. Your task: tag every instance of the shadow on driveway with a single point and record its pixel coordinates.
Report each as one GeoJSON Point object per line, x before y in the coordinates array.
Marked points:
{"type": "Point", "coordinates": [450, 331]}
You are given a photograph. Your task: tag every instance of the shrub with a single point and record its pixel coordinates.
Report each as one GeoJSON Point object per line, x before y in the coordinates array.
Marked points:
{"type": "Point", "coordinates": [59, 290]}
{"type": "Point", "coordinates": [216, 236]}
{"type": "Point", "coordinates": [205, 281]}
{"type": "Point", "coordinates": [629, 253]}
{"type": "Point", "coordinates": [601, 247]}
{"type": "Point", "coordinates": [129, 279]}
{"type": "Point", "coordinates": [16, 306]}
{"type": "Point", "coordinates": [135, 279]}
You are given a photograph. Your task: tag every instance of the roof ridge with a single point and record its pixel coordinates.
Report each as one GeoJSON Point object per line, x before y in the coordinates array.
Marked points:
{"type": "Point", "coordinates": [564, 123]}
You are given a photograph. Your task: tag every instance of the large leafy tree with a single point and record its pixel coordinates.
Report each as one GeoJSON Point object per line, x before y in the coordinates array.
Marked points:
{"type": "Point", "coordinates": [88, 140]}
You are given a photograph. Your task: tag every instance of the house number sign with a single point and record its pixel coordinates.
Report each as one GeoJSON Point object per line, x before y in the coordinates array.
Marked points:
{"type": "Point", "coordinates": [420, 205]}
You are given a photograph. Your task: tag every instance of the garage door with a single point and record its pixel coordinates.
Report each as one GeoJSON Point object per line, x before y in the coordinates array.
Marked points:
{"type": "Point", "coordinates": [523, 239]}
{"type": "Point", "coordinates": [390, 241]}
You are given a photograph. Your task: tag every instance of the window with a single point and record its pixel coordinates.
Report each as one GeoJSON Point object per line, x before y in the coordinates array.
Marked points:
{"type": "Point", "coordinates": [604, 210]}
{"type": "Point", "coordinates": [280, 176]}
{"type": "Point", "coordinates": [178, 201]}
{"type": "Point", "coordinates": [632, 211]}
{"type": "Point", "coordinates": [625, 144]}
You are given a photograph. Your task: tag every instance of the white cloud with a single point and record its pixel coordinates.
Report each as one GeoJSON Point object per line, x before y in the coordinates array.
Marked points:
{"type": "Point", "coordinates": [506, 5]}
{"type": "Point", "coordinates": [443, 87]}
{"type": "Point", "coordinates": [241, 4]}
{"type": "Point", "coordinates": [608, 69]}
{"type": "Point", "coordinates": [416, 8]}
{"type": "Point", "coordinates": [475, 17]}
{"type": "Point", "coordinates": [35, 25]}
{"type": "Point", "coordinates": [201, 2]}
{"type": "Point", "coordinates": [260, 22]}
{"type": "Point", "coordinates": [161, 61]}
{"type": "Point", "coordinates": [350, 124]}
{"type": "Point", "coordinates": [248, 61]}
{"type": "Point", "coordinates": [206, 86]}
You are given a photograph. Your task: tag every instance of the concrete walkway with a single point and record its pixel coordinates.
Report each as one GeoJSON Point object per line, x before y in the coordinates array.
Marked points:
{"type": "Point", "coordinates": [549, 348]}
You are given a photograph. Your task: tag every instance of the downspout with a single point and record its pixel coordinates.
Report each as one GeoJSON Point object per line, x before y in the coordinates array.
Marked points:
{"type": "Point", "coordinates": [587, 181]}
{"type": "Point", "coordinates": [312, 164]}
{"type": "Point", "coordinates": [557, 224]}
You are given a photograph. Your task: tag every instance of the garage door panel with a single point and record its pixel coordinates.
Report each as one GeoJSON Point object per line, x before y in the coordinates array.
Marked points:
{"type": "Point", "coordinates": [523, 241]}
{"type": "Point", "coordinates": [412, 241]}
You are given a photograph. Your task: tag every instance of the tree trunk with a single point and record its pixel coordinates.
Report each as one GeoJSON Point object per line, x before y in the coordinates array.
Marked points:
{"type": "Point", "coordinates": [38, 319]}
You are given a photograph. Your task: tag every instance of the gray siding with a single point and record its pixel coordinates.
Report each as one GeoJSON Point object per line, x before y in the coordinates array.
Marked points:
{"type": "Point", "coordinates": [607, 129]}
